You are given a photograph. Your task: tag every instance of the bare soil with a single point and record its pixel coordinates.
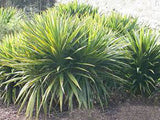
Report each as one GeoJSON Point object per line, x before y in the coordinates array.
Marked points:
{"type": "Point", "coordinates": [125, 111]}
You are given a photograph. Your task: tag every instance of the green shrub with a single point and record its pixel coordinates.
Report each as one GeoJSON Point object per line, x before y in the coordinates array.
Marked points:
{"type": "Point", "coordinates": [144, 58]}
{"type": "Point", "coordinates": [63, 61]}
{"type": "Point", "coordinates": [74, 8]}
{"type": "Point", "coordinates": [122, 24]}
{"type": "Point", "coordinates": [10, 19]}
{"type": "Point", "coordinates": [9, 75]}
{"type": "Point", "coordinates": [8, 92]}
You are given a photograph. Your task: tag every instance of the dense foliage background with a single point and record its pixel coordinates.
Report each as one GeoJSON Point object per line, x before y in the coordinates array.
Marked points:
{"type": "Point", "coordinates": [28, 5]}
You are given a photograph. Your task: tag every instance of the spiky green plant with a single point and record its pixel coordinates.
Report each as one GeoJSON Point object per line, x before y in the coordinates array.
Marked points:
{"type": "Point", "coordinates": [144, 55]}
{"type": "Point", "coordinates": [73, 8]}
{"type": "Point", "coordinates": [10, 19]}
{"type": "Point", "coordinates": [8, 92]}
{"type": "Point", "coordinates": [122, 24]}
{"type": "Point", "coordinates": [9, 75]}
{"type": "Point", "coordinates": [64, 61]}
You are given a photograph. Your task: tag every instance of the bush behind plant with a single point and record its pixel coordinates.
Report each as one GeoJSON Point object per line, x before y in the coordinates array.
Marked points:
{"type": "Point", "coordinates": [10, 19]}
{"type": "Point", "coordinates": [74, 8]}
{"type": "Point", "coordinates": [144, 58]}
{"type": "Point", "coordinates": [8, 74]}
{"type": "Point", "coordinates": [122, 24]}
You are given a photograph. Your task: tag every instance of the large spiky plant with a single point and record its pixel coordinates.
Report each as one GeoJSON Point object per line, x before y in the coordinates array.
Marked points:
{"type": "Point", "coordinates": [64, 61]}
{"type": "Point", "coordinates": [10, 19]}
{"type": "Point", "coordinates": [144, 55]}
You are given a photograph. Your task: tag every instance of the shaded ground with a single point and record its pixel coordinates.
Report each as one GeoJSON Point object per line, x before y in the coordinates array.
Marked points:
{"type": "Point", "coordinates": [124, 111]}
{"type": "Point", "coordinates": [9, 113]}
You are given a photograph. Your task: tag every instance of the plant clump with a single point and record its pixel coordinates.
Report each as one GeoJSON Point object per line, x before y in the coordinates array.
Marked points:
{"type": "Point", "coordinates": [10, 19]}
{"type": "Point", "coordinates": [71, 55]}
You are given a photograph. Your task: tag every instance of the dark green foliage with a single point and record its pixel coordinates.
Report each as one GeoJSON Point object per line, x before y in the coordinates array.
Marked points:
{"type": "Point", "coordinates": [144, 56]}
{"type": "Point", "coordinates": [8, 92]}
{"type": "Point", "coordinates": [28, 5]}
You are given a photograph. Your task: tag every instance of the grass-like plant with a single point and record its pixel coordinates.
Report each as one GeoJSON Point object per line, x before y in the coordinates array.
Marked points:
{"type": "Point", "coordinates": [10, 19]}
{"type": "Point", "coordinates": [144, 55]}
{"type": "Point", "coordinates": [64, 62]}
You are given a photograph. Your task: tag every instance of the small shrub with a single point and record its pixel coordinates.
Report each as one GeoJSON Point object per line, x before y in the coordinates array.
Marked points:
{"type": "Point", "coordinates": [121, 24]}
{"type": "Point", "coordinates": [10, 19]}
{"type": "Point", "coordinates": [9, 75]}
{"type": "Point", "coordinates": [74, 8]}
{"type": "Point", "coordinates": [144, 55]}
